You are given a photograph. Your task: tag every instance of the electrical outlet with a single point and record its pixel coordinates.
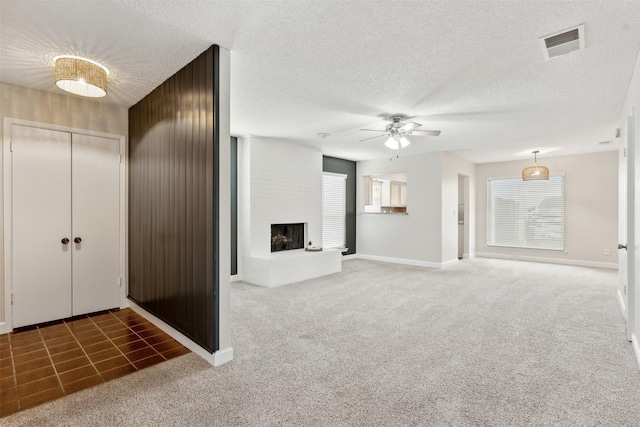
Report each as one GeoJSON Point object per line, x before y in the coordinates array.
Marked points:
{"type": "Point", "coordinates": [607, 252]}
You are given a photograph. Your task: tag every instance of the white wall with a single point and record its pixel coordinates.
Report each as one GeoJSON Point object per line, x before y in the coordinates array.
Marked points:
{"type": "Point", "coordinates": [632, 104]}
{"type": "Point", "coordinates": [415, 236]}
{"type": "Point", "coordinates": [224, 236]}
{"type": "Point", "coordinates": [591, 208]}
{"type": "Point", "coordinates": [45, 107]}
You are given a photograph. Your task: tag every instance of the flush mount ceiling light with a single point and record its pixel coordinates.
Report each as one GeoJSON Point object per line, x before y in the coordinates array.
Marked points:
{"type": "Point", "coordinates": [535, 172]}
{"type": "Point", "coordinates": [81, 76]}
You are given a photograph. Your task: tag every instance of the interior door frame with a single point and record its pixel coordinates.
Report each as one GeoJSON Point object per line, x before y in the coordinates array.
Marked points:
{"type": "Point", "coordinates": [6, 324]}
{"type": "Point", "coordinates": [630, 225]}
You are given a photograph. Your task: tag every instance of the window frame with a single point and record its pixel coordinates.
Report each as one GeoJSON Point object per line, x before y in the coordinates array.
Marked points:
{"type": "Point", "coordinates": [343, 177]}
{"type": "Point", "coordinates": [490, 241]}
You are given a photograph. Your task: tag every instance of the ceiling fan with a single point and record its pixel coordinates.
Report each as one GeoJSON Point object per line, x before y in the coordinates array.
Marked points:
{"type": "Point", "coordinates": [397, 132]}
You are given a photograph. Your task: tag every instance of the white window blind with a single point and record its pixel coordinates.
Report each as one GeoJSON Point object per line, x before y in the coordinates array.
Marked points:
{"type": "Point", "coordinates": [334, 194]}
{"type": "Point", "coordinates": [526, 214]}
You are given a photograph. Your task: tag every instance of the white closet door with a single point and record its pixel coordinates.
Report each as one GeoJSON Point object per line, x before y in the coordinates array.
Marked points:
{"type": "Point", "coordinates": [96, 203]}
{"type": "Point", "coordinates": [41, 187]}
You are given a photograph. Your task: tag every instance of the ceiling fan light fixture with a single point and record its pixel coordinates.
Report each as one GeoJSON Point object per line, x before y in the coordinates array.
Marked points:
{"type": "Point", "coordinates": [392, 143]}
{"type": "Point", "coordinates": [81, 76]}
{"type": "Point", "coordinates": [397, 132]}
{"type": "Point", "coordinates": [535, 172]}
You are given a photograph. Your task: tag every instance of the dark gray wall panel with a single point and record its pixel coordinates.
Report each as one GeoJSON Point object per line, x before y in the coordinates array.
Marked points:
{"type": "Point", "coordinates": [234, 205]}
{"type": "Point", "coordinates": [173, 190]}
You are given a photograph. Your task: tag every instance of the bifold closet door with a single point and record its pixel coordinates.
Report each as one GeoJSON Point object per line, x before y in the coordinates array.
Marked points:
{"type": "Point", "coordinates": [41, 214]}
{"type": "Point", "coordinates": [96, 223]}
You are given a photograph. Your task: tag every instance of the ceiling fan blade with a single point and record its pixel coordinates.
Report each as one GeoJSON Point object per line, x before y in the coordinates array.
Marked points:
{"type": "Point", "coordinates": [373, 137]}
{"type": "Point", "coordinates": [426, 132]}
{"type": "Point", "coordinates": [374, 130]}
{"type": "Point", "coordinates": [410, 126]}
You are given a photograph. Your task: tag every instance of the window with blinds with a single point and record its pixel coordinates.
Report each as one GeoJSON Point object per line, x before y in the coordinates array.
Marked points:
{"type": "Point", "coordinates": [334, 194]}
{"type": "Point", "coordinates": [526, 214]}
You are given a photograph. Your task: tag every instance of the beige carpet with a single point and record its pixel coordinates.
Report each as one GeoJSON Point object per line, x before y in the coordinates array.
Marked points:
{"type": "Point", "coordinates": [485, 342]}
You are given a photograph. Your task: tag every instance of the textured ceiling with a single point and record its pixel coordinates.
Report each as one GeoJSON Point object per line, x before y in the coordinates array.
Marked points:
{"type": "Point", "coordinates": [473, 69]}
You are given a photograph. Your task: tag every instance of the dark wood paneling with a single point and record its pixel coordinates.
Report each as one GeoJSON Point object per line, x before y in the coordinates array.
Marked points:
{"type": "Point", "coordinates": [173, 193]}
{"type": "Point", "coordinates": [234, 204]}
{"type": "Point", "coordinates": [347, 167]}
{"type": "Point", "coordinates": [213, 259]}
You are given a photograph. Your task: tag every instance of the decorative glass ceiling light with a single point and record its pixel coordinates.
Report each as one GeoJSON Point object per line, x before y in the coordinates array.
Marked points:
{"type": "Point", "coordinates": [397, 142]}
{"type": "Point", "coordinates": [535, 172]}
{"type": "Point", "coordinates": [81, 76]}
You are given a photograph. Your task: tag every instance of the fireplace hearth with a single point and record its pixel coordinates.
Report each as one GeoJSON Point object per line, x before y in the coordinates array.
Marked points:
{"type": "Point", "coordinates": [286, 237]}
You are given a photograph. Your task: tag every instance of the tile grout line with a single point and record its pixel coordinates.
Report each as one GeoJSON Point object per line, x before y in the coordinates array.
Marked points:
{"type": "Point", "coordinates": [13, 366]}
{"type": "Point", "coordinates": [108, 339]}
{"type": "Point", "coordinates": [145, 341]}
{"type": "Point", "coordinates": [86, 355]}
{"type": "Point", "coordinates": [114, 344]}
{"type": "Point", "coordinates": [46, 348]}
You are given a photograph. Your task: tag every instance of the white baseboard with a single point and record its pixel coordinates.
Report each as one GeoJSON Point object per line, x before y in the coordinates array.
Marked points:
{"type": "Point", "coordinates": [4, 328]}
{"type": "Point", "coordinates": [469, 256]}
{"type": "Point", "coordinates": [450, 263]}
{"type": "Point", "coordinates": [216, 359]}
{"type": "Point", "coordinates": [621, 302]}
{"type": "Point", "coordinates": [236, 278]}
{"type": "Point", "coordinates": [636, 348]}
{"type": "Point", "coordinates": [403, 261]}
{"type": "Point", "coordinates": [223, 356]}
{"type": "Point", "coordinates": [576, 262]}
{"type": "Point", "coordinates": [348, 257]}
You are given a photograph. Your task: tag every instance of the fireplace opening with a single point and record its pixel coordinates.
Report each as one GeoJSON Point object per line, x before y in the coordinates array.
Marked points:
{"type": "Point", "coordinates": [285, 237]}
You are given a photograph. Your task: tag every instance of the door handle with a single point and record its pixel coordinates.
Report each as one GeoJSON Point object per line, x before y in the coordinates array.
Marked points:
{"type": "Point", "coordinates": [77, 240]}
{"type": "Point", "coordinates": [621, 246]}
{"type": "Point", "coordinates": [65, 241]}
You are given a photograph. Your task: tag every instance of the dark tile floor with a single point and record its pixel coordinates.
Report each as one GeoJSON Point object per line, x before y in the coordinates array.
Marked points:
{"type": "Point", "coordinates": [48, 361]}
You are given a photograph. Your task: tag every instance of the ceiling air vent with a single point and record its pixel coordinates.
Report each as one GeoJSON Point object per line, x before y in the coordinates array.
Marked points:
{"type": "Point", "coordinates": [563, 43]}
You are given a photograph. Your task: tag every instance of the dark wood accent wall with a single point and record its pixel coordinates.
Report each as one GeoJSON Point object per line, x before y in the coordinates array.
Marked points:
{"type": "Point", "coordinates": [233, 156]}
{"type": "Point", "coordinates": [173, 201]}
{"type": "Point", "coordinates": [347, 167]}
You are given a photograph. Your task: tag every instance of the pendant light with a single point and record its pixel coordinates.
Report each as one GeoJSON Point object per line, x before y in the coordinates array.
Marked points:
{"type": "Point", "coordinates": [535, 172]}
{"type": "Point", "coordinates": [81, 76]}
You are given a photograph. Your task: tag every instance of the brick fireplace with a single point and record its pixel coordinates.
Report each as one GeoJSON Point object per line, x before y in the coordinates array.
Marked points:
{"type": "Point", "coordinates": [280, 211]}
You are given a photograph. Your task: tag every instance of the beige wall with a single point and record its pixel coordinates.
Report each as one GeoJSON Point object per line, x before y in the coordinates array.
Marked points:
{"type": "Point", "coordinates": [591, 208]}
{"type": "Point", "coordinates": [29, 104]}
